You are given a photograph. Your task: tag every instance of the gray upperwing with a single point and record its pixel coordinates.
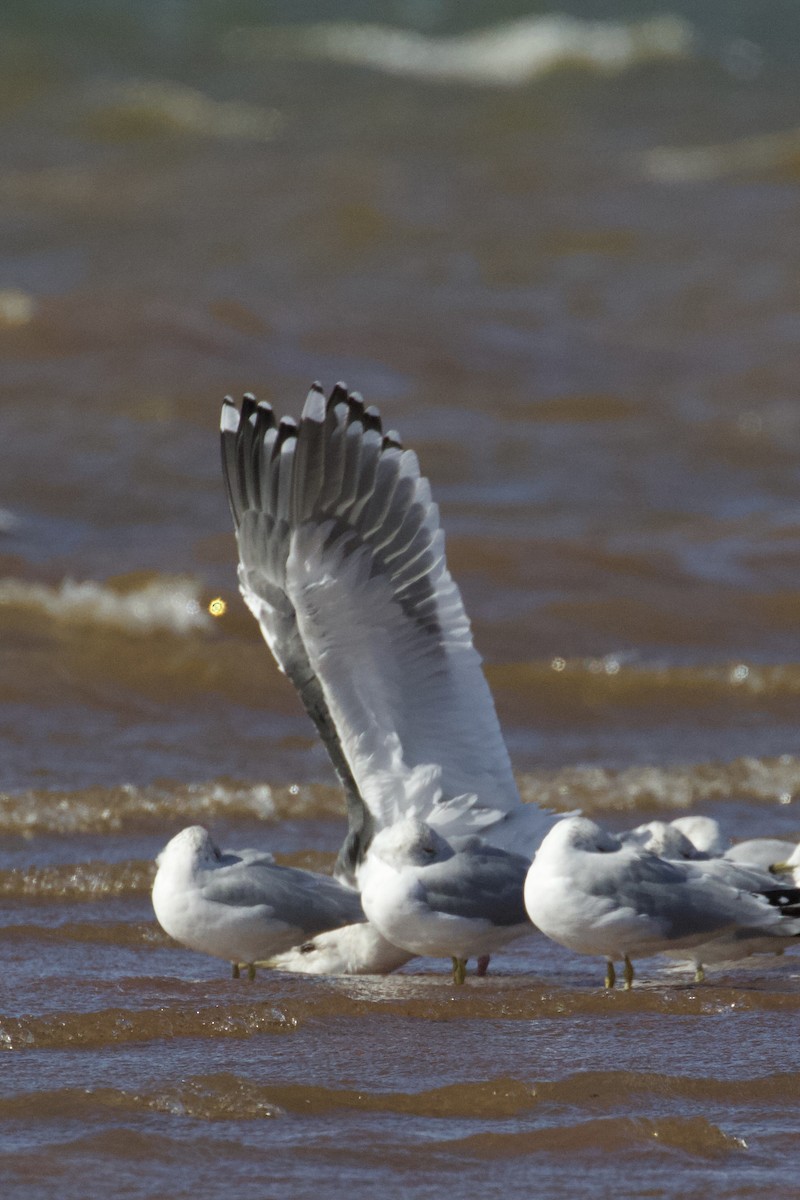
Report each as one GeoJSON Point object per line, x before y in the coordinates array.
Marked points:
{"type": "Point", "coordinates": [692, 898]}
{"type": "Point", "coordinates": [484, 883]}
{"type": "Point", "coordinates": [312, 903]}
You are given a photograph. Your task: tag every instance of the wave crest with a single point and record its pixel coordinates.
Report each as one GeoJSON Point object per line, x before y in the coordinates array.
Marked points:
{"type": "Point", "coordinates": [600, 789]}
{"type": "Point", "coordinates": [164, 603]}
{"type": "Point", "coordinates": [507, 55]}
{"type": "Point", "coordinates": [106, 810]}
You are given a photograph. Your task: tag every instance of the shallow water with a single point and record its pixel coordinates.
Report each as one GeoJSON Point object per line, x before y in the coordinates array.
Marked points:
{"type": "Point", "coordinates": [564, 263]}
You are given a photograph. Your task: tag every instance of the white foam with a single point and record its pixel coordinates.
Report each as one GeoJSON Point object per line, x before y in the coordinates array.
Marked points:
{"type": "Point", "coordinates": [507, 55]}
{"type": "Point", "coordinates": [163, 106]}
{"type": "Point", "coordinates": [167, 603]}
{"type": "Point", "coordinates": [745, 156]}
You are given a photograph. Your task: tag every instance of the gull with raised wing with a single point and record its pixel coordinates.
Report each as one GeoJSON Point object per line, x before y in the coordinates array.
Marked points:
{"type": "Point", "coordinates": [342, 564]}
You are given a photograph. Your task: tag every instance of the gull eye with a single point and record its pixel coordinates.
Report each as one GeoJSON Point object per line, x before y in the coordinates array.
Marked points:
{"type": "Point", "coordinates": [307, 948]}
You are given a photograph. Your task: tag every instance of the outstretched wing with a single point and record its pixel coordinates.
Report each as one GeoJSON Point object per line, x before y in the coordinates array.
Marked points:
{"type": "Point", "coordinates": [342, 563]}
{"type": "Point", "coordinates": [257, 465]}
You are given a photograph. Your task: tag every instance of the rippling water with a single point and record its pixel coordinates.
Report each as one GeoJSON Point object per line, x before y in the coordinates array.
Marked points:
{"type": "Point", "coordinates": [560, 250]}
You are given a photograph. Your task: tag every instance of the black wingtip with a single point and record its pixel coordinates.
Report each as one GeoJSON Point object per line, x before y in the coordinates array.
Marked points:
{"type": "Point", "coordinates": [355, 402]}
{"type": "Point", "coordinates": [337, 396]}
{"type": "Point", "coordinates": [287, 428]}
{"type": "Point", "coordinates": [372, 419]}
{"type": "Point", "coordinates": [249, 406]}
{"type": "Point", "coordinates": [265, 419]}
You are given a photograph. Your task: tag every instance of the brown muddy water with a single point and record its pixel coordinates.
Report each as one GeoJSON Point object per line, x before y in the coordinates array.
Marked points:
{"type": "Point", "coordinates": [564, 261]}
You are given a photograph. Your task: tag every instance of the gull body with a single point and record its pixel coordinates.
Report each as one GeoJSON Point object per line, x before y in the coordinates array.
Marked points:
{"type": "Point", "coordinates": [747, 939]}
{"type": "Point", "coordinates": [440, 899]}
{"type": "Point", "coordinates": [241, 906]}
{"type": "Point", "coordinates": [744, 867]}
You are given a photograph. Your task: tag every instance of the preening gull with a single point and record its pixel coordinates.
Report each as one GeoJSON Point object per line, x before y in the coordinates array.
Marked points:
{"type": "Point", "coordinates": [342, 564]}
{"type": "Point", "coordinates": [667, 840]}
{"type": "Point", "coordinates": [708, 841]}
{"type": "Point", "coordinates": [663, 839]}
{"type": "Point", "coordinates": [351, 950]}
{"type": "Point", "coordinates": [703, 832]}
{"type": "Point", "coordinates": [242, 906]}
{"type": "Point", "coordinates": [790, 865]}
{"type": "Point", "coordinates": [597, 895]}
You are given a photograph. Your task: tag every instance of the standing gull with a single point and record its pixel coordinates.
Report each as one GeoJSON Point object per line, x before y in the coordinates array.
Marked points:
{"type": "Point", "coordinates": [342, 564]}
{"type": "Point", "coordinates": [240, 905]}
{"type": "Point", "coordinates": [425, 893]}
{"type": "Point", "coordinates": [597, 895]}
{"type": "Point", "coordinates": [748, 866]}
{"type": "Point", "coordinates": [746, 939]}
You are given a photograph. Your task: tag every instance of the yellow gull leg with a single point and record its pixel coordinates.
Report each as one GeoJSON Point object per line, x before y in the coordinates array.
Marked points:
{"type": "Point", "coordinates": [611, 974]}
{"type": "Point", "coordinates": [459, 969]}
{"type": "Point", "coordinates": [628, 974]}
